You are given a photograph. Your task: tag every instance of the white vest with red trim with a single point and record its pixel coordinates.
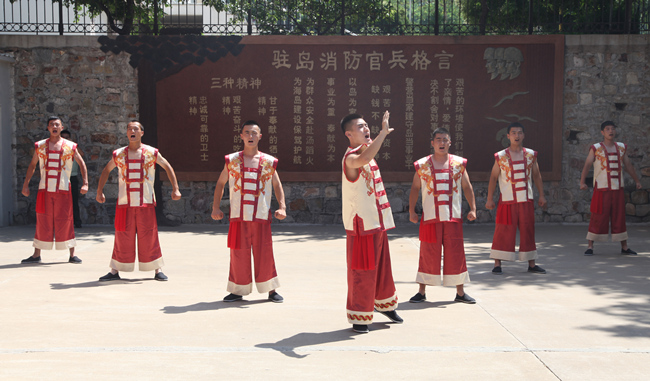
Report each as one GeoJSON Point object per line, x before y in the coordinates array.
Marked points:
{"type": "Point", "coordinates": [515, 178]}
{"type": "Point", "coordinates": [250, 188]}
{"type": "Point", "coordinates": [608, 167]}
{"type": "Point", "coordinates": [366, 198]}
{"type": "Point", "coordinates": [442, 191]}
{"type": "Point", "coordinates": [56, 166]}
{"type": "Point", "coordinates": [136, 177]}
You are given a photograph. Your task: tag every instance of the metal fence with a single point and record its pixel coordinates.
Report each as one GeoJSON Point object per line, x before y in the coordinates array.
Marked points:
{"type": "Point", "coordinates": [363, 17]}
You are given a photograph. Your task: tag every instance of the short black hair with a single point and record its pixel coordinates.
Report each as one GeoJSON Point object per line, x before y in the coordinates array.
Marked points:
{"type": "Point", "coordinates": [51, 118]}
{"type": "Point", "coordinates": [345, 121]}
{"type": "Point", "coordinates": [439, 130]}
{"type": "Point", "coordinates": [136, 122]}
{"type": "Point", "coordinates": [515, 124]}
{"type": "Point", "coordinates": [607, 123]}
{"type": "Point", "coordinates": [66, 132]}
{"type": "Point", "coordinates": [251, 123]}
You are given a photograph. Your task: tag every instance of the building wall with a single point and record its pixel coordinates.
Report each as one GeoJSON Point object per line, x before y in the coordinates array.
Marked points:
{"type": "Point", "coordinates": [7, 177]}
{"type": "Point", "coordinates": [606, 78]}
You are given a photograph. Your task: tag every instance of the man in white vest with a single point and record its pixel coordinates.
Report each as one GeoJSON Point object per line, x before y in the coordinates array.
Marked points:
{"type": "Point", "coordinates": [135, 212]}
{"type": "Point", "coordinates": [54, 217]}
{"type": "Point", "coordinates": [252, 177]}
{"type": "Point", "coordinates": [443, 178]}
{"type": "Point", "coordinates": [608, 200]}
{"type": "Point", "coordinates": [366, 218]}
{"type": "Point", "coordinates": [515, 169]}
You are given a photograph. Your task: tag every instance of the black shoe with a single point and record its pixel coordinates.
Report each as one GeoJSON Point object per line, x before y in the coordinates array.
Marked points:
{"type": "Point", "coordinates": [276, 298]}
{"type": "Point", "coordinates": [74, 259]}
{"type": "Point", "coordinates": [160, 276]}
{"type": "Point", "coordinates": [628, 251]}
{"type": "Point", "coordinates": [392, 315]}
{"type": "Point", "coordinates": [31, 260]}
{"type": "Point", "coordinates": [232, 298]}
{"type": "Point", "coordinates": [589, 252]}
{"type": "Point", "coordinates": [536, 270]}
{"type": "Point", "coordinates": [110, 276]}
{"type": "Point", "coordinates": [360, 328]}
{"type": "Point", "coordinates": [418, 298]}
{"type": "Point", "coordinates": [465, 299]}
{"type": "Point", "coordinates": [77, 226]}
{"type": "Point", "coordinates": [497, 270]}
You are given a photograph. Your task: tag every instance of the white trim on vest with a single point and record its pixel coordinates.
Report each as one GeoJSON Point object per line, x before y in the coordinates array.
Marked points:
{"type": "Point", "coordinates": [136, 177]}
{"type": "Point", "coordinates": [365, 199]}
{"type": "Point", "coordinates": [515, 177]}
{"type": "Point", "coordinates": [248, 184]}
{"type": "Point", "coordinates": [441, 189]}
{"type": "Point", "coordinates": [608, 166]}
{"type": "Point", "coordinates": [55, 166]}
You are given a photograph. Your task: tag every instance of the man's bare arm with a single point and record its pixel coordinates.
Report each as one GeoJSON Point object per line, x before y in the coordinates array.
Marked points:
{"type": "Point", "coordinates": [217, 214]}
{"type": "Point", "coordinates": [176, 193]}
{"type": "Point", "coordinates": [468, 190]}
{"type": "Point", "coordinates": [537, 179]}
{"type": "Point", "coordinates": [492, 185]}
{"type": "Point", "coordinates": [83, 170]}
{"type": "Point", "coordinates": [358, 161]}
{"type": "Point", "coordinates": [413, 198]}
{"type": "Point", "coordinates": [629, 168]}
{"type": "Point", "coordinates": [588, 163]}
{"type": "Point", "coordinates": [281, 213]}
{"type": "Point", "coordinates": [102, 181]}
{"type": "Point", "coordinates": [30, 173]}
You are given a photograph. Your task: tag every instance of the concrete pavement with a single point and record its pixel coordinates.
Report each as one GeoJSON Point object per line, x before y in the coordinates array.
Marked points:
{"type": "Point", "coordinates": [587, 319]}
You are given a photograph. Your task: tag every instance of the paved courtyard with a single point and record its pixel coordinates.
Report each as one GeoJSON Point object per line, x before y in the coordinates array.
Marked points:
{"type": "Point", "coordinates": [587, 319]}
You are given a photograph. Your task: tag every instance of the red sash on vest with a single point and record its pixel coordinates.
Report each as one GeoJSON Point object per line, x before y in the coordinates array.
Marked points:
{"type": "Point", "coordinates": [504, 214]}
{"type": "Point", "coordinates": [363, 248]}
{"type": "Point", "coordinates": [428, 233]}
{"type": "Point", "coordinates": [120, 219]}
{"type": "Point", "coordinates": [597, 202]}
{"type": "Point", "coordinates": [40, 202]}
{"type": "Point", "coordinates": [234, 235]}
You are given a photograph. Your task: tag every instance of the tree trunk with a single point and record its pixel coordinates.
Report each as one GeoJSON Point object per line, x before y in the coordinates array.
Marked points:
{"type": "Point", "coordinates": [483, 19]}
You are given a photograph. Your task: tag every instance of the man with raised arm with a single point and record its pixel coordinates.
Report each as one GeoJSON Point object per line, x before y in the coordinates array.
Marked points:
{"type": "Point", "coordinates": [366, 218]}
{"type": "Point", "coordinates": [442, 177]}
{"type": "Point", "coordinates": [252, 177]}
{"type": "Point", "coordinates": [608, 201]}
{"type": "Point", "coordinates": [54, 216]}
{"type": "Point", "coordinates": [135, 214]}
{"type": "Point", "coordinates": [515, 169]}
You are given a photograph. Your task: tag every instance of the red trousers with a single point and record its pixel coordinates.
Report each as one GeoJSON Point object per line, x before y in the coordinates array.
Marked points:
{"type": "Point", "coordinates": [450, 236]}
{"type": "Point", "coordinates": [255, 236]}
{"type": "Point", "coordinates": [54, 221]}
{"type": "Point", "coordinates": [370, 289]}
{"type": "Point", "coordinates": [606, 207]}
{"type": "Point", "coordinates": [522, 216]}
{"type": "Point", "coordinates": [141, 222]}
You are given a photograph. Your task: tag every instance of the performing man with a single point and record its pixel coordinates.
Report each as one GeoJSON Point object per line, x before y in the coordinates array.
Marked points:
{"type": "Point", "coordinates": [608, 200]}
{"type": "Point", "coordinates": [135, 214]}
{"type": "Point", "coordinates": [252, 177]}
{"type": "Point", "coordinates": [54, 217]}
{"type": "Point", "coordinates": [442, 177]}
{"type": "Point", "coordinates": [515, 168]}
{"type": "Point", "coordinates": [366, 217]}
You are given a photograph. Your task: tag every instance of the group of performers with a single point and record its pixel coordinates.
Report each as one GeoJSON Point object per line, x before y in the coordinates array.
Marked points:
{"type": "Point", "coordinates": [441, 178]}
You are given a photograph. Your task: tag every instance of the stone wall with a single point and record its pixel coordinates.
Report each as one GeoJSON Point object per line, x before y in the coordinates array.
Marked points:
{"type": "Point", "coordinates": [606, 77]}
{"type": "Point", "coordinates": [95, 94]}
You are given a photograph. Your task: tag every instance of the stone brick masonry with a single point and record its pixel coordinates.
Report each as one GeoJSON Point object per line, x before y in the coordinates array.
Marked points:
{"type": "Point", "coordinates": [606, 77]}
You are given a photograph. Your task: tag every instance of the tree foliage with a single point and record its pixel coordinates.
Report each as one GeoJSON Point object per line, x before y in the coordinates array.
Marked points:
{"type": "Point", "coordinates": [121, 15]}
{"type": "Point", "coordinates": [555, 16]}
{"type": "Point", "coordinates": [310, 17]}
